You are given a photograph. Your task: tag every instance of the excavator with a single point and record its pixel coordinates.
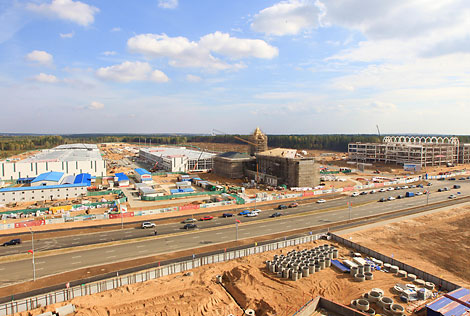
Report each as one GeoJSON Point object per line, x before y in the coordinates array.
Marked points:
{"type": "Point", "coordinates": [154, 168]}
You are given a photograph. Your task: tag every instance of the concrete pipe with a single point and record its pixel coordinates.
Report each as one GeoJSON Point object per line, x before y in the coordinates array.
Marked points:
{"type": "Point", "coordinates": [249, 312]}
{"type": "Point", "coordinates": [370, 312]}
{"type": "Point", "coordinates": [387, 311]}
{"type": "Point", "coordinates": [330, 254]}
{"type": "Point", "coordinates": [328, 262]}
{"type": "Point", "coordinates": [294, 276]}
{"type": "Point", "coordinates": [380, 263]}
{"type": "Point", "coordinates": [385, 302]}
{"type": "Point", "coordinates": [374, 296]}
{"type": "Point", "coordinates": [387, 266]}
{"type": "Point", "coordinates": [411, 277]}
{"type": "Point", "coordinates": [305, 272]}
{"type": "Point", "coordinates": [397, 309]}
{"type": "Point", "coordinates": [376, 289]}
{"type": "Point", "coordinates": [65, 310]}
{"type": "Point", "coordinates": [279, 274]}
{"type": "Point", "coordinates": [359, 277]}
{"type": "Point", "coordinates": [360, 270]}
{"type": "Point", "coordinates": [46, 314]}
{"type": "Point", "coordinates": [369, 275]}
{"type": "Point", "coordinates": [354, 270]}
{"type": "Point", "coordinates": [402, 274]}
{"type": "Point", "coordinates": [317, 267]}
{"type": "Point", "coordinates": [394, 269]}
{"type": "Point", "coordinates": [322, 263]}
{"type": "Point", "coordinates": [367, 268]}
{"type": "Point", "coordinates": [419, 282]}
{"type": "Point", "coordinates": [299, 275]}
{"type": "Point", "coordinates": [353, 304]}
{"type": "Point", "coordinates": [366, 296]}
{"type": "Point", "coordinates": [362, 304]}
{"type": "Point", "coordinates": [276, 257]}
{"type": "Point", "coordinates": [311, 268]}
{"type": "Point", "coordinates": [429, 285]}
{"type": "Point", "coordinates": [285, 274]}
{"type": "Point", "coordinates": [268, 265]}
{"type": "Point", "coordinates": [335, 254]}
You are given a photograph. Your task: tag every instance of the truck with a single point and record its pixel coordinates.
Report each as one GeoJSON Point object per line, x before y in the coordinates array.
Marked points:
{"type": "Point", "coordinates": [410, 194]}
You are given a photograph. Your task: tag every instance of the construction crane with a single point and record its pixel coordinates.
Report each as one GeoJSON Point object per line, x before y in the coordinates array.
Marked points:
{"type": "Point", "coordinates": [378, 130]}
{"type": "Point", "coordinates": [214, 132]}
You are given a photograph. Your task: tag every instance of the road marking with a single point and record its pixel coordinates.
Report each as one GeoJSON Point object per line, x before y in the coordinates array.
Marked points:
{"type": "Point", "coordinates": [170, 241]}
{"type": "Point", "coordinates": [75, 257]}
{"type": "Point", "coordinates": [111, 257]}
{"type": "Point", "coordinates": [142, 251]}
{"type": "Point", "coordinates": [40, 262]}
{"type": "Point", "coordinates": [76, 239]}
{"type": "Point", "coordinates": [75, 243]}
{"type": "Point", "coordinates": [108, 251]}
{"type": "Point", "coordinates": [219, 233]}
{"type": "Point", "coordinates": [195, 237]}
{"type": "Point", "coordinates": [262, 226]}
{"type": "Point", "coordinates": [141, 246]}
{"type": "Point", "coordinates": [1, 269]}
{"type": "Point", "coordinates": [39, 269]}
{"type": "Point", "coordinates": [78, 262]}
{"type": "Point", "coordinates": [103, 239]}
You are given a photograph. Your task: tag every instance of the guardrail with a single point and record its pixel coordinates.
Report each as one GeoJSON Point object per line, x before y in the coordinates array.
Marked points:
{"type": "Point", "coordinates": [16, 306]}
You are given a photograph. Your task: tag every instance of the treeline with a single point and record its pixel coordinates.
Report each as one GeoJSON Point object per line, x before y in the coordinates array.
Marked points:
{"type": "Point", "coordinates": [10, 145]}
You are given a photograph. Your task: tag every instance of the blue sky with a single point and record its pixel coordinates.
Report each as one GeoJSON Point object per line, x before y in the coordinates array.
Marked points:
{"type": "Point", "coordinates": [294, 66]}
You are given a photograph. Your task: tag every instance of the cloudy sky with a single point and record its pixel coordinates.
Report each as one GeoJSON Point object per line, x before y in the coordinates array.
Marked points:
{"type": "Point", "coordinates": [295, 66]}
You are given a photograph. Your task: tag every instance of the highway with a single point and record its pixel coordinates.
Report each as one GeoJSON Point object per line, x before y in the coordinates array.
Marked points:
{"type": "Point", "coordinates": [18, 271]}
{"type": "Point", "coordinates": [162, 229]}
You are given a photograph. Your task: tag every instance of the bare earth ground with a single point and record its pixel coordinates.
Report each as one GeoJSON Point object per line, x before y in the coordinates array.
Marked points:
{"type": "Point", "coordinates": [437, 243]}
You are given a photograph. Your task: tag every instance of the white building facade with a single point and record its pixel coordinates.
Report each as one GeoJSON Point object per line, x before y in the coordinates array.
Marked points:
{"type": "Point", "coordinates": [178, 159]}
{"type": "Point", "coordinates": [42, 193]}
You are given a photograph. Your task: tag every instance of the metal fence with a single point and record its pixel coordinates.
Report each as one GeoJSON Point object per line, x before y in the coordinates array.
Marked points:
{"type": "Point", "coordinates": [65, 294]}
{"type": "Point", "coordinates": [444, 284]}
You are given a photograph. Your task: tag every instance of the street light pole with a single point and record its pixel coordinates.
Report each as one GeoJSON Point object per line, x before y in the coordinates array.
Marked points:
{"type": "Point", "coordinates": [349, 207]}
{"type": "Point", "coordinates": [236, 229]}
{"type": "Point", "coordinates": [32, 246]}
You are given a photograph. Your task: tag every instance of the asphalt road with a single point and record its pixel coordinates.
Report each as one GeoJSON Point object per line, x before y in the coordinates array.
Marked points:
{"type": "Point", "coordinates": [18, 271]}
{"type": "Point", "coordinates": [137, 232]}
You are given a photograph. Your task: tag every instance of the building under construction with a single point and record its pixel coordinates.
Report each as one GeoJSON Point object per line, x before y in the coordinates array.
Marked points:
{"type": "Point", "coordinates": [177, 159]}
{"type": "Point", "coordinates": [421, 151]}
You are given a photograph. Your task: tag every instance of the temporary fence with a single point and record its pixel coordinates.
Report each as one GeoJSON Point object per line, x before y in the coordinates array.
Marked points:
{"type": "Point", "coordinates": [16, 306]}
{"type": "Point", "coordinates": [175, 196]}
{"type": "Point", "coordinates": [444, 284]}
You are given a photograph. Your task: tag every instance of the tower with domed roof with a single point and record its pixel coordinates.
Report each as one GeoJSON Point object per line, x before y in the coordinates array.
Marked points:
{"type": "Point", "coordinates": [259, 142]}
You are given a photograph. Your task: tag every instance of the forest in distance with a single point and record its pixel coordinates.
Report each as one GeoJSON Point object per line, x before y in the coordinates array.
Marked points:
{"type": "Point", "coordinates": [14, 144]}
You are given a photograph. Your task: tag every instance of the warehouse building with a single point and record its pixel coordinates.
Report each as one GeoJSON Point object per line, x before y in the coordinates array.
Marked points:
{"type": "Point", "coordinates": [48, 178]}
{"type": "Point", "coordinates": [122, 179]}
{"type": "Point", "coordinates": [71, 159]}
{"type": "Point", "coordinates": [178, 159]}
{"type": "Point", "coordinates": [420, 151]}
{"type": "Point", "coordinates": [42, 193]}
{"type": "Point", "coordinates": [143, 175]}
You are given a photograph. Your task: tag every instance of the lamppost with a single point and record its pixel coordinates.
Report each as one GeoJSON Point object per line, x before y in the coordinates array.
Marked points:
{"type": "Point", "coordinates": [349, 207]}
{"type": "Point", "coordinates": [32, 246]}
{"type": "Point", "coordinates": [236, 229]}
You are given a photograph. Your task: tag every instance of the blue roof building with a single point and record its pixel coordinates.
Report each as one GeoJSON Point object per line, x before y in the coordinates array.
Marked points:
{"type": "Point", "coordinates": [121, 176]}
{"type": "Point", "coordinates": [84, 178]}
{"type": "Point", "coordinates": [141, 171]}
{"type": "Point", "coordinates": [48, 178]}
{"type": "Point", "coordinates": [455, 303]}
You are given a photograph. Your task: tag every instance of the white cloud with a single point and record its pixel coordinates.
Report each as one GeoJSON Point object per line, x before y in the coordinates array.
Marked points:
{"type": "Point", "coordinates": [233, 47]}
{"type": "Point", "coordinates": [158, 76]}
{"type": "Point", "coordinates": [42, 77]}
{"type": "Point", "coordinates": [168, 4]}
{"type": "Point", "coordinates": [40, 57]}
{"type": "Point", "coordinates": [131, 71]}
{"type": "Point", "coordinates": [74, 11]}
{"type": "Point", "coordinates": [185, 53]}
{"type": "Point", "coordinates": [67, 35]}
{"type": "Point", "coordinates": [95, 105]}
{"type": "Point", "coordinates": [116, 29]}
{"type": "Point", "coordinates": [109, 53]}
{"type": "Point", "coordinates": [382, 107]}
{"type": "Point", "coordinates": [287, 17]}
{"type": "Point", "coordinates": [193, 78]}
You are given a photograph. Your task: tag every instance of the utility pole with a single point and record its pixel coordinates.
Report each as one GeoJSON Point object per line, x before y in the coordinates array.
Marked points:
{"type": "Point", "coordinates": [32, 246]}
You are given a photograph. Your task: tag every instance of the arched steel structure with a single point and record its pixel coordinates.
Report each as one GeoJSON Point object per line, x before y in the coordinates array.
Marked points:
{"type": "Point", "coordinates": [421, 140]}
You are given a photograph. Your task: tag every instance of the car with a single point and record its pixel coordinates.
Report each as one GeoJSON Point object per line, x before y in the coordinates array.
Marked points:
{"type": "Point", "coordinates": [401, 196]}
{"type": "Point", "coordinates": [277, 214]}
{"type": "Point", "coordinates": [452, 179]}
{"type": "Point", "coordinates": [227, 215]}
{"type": "Point", "coordinates": [281, 207]}
{"type": "Point", "coordinates": [397, 188]}
{"type": "Point", "coordinates": [468, 178]}
{"type": "Point", "coordinates": [420, 186]}
{"type": "Point", "coordinates": [382, 190]}
{"type": "Point", "coordinates": [446, 189]}
{"type": "Point", "coordinates": [419, 193]}
{"type": "Point", "coordinates": [321, 201]}
{"type": "Point", "coordinates": [190, 226]}
{"type": "Point", "coordinates": [244, 212]}
{"type": "Point", "coordinates": [293, 204]}
{"type": "Point", "coordinates": [440, 190]}
{"type": "Point", "coordinates": [383, 200]}
{"type": "Point", "coordinates": [189, 220]}
{"type": "Point", "coordinates": [405, 187]}
{"type": "Point", "coordinates": [12, 242]}
{"type": "Point", "coordinates": [373, 192]}
{"type": "Point", "coordinates": [462, 179]}
{"type": "Point", "coordinates": [355, 194]}
{"type": "Point", "coordinates": [390, 189]}
{"type": "Point", "coordinates": [256, 211]}
{"type": "Point", "coordinates": [148, 225]}
{"type": "Point", "coordinates": [429, 184]}
{"type": "Point", "coordinates": [412, 186]}
{"type": "Point", "coordinates": [206, 218]}
{"type": "Point", "coordinates": [252, 214]}
{"type": "Point", "coordinates": [452, 196]}
{"type": "Point", "coordinates": [390, 198]}
{"type": "Point", "coordinates": [363, 193]}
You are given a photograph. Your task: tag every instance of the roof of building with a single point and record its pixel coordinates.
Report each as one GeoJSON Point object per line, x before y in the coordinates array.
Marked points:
{"type": "Point", "coordinates": [141, 171]}
{"type": "Point", "coordinates": [77, 146]}
{"type": "Point", "coordinates": [234, 155]}
{"type": "Point", "coordinates": [177, 151]}
{"type": "Point", "coordinates": [279, 152]}
{"type": "Point", "coordinates": [70, 152]}
{"type": "Point", "coordinates": [68, 179]}
{"type": "Point", "coordinates": [121, 176]}
{"type": "Point", "coordinates": [43, 187]}
{"type": "Point", "coordinates": [49, 176]}
{"type": "Point", "coordinates": [83, 178]}
{"type": "Point", "coordinates": [454, 303]}
{"type": "Point", "coordinates": [147, 190]}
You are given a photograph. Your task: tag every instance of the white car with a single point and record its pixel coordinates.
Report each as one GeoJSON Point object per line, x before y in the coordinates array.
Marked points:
{"type": "Point", "coordinates": [452, 196]}
{"type": "Point", "coordinates": [419, 193]}
{"type": "Point", "coordinates": [382, 190]}
{"type": "Point", "coordinates": [390, 189]}
{"type": "Point", "coordinates": [148, 225]}
{"type": "Point", "coordinates": [251, 214]}
{"type": "Point", "coordinates": [373, 191]}
{"type": "Point", "coordinates": [405, 187]}
{"type": "Point", "coordinates": [321, 201]}
{"type": "Point", "coordinates": [256, 211]}
{"type": "Point", "coordinates": [355, 194]}
{"type": "Point", "coordinates": [391, 198]}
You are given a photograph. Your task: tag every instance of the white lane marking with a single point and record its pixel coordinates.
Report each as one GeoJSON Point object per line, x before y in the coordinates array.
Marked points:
{"type": "Point", "coordinates": [102, 238]}
{"type": "Point", "coordinates": [142, 251]}
{"type": "Point", "coordinates": [108, 251]}
{"type": "Point", "coordinates": [75, 257]}
{"type": "Point", "coordinates": [141, 246]}
{"type": "Point", "coordinates": [288, 226]}
{"type": "Point", "coordinates": [75, 243]}
{"type": "Point", "coordinates": [39, 269]}
{"type": "Point", "coordinates": [78, 262]}
{"type": "Point", "coordinates": [195, 237]}
{"type": "Point", "coordinates": [1, 269]}
{"type": "Point", "coordinates": [219, 233]}
{"type": "Point", "coordinates": [76, 239]}
{"type": "Point", "coordinates": [170, 241]}
{"type": "Point", "coordinates": [111, 257]}
{"type": "Point", "coordinates": [40, 262]}
{"type": "Point", "coordinates": [262, 226]}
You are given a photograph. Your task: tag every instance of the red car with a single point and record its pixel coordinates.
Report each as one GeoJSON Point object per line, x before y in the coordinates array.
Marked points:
{"type": "Point", "coordinates": [293, 205]}
{"type": "Point", "coordinates": [206, 218]}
